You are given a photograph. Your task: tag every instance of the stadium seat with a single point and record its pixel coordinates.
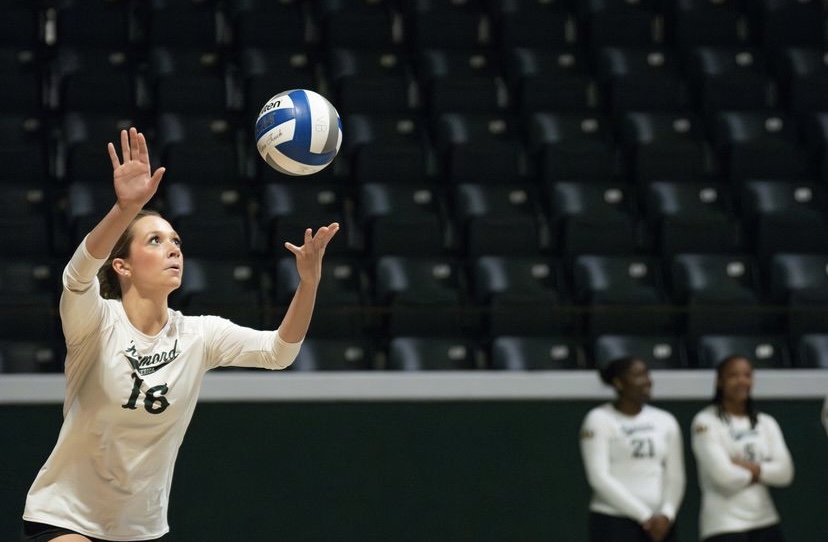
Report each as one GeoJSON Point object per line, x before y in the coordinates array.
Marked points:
{"type": "Point", "coordinates": [815, 141]}
{"type": "Point", "coordinates": [570, 146]}
{"type": "Point", "coordinates": [659, 352]}
{"type": "Point", "coordinates": [25, 219]}
{"type": "Point", "coordinates": [812, 351]}
{"type": "Point", "coordinates": [460, 81]}
{"type": "Point", "coordinates": [357, 23]}
{"type": "Point", "coordinates": [558, 79]}
{"type": "Point", "coordinates": [785, 216]}
{"type": "Point", "coordinates": [29, 356]}
{"type": "Point", "coordinates": [188, 81]}
{"type": "Point", "coordinates": [422, 296]}
{"type": "Point", "coordinates": [521, 295]}
{"type": "Point", "coordinates": [593, 217]}
{"type": "Point", "coordinates": [198, 148]}
{"type": "Point", "coordinates": [803, 79]}
{"type": "Point", "coordinates": [787, 22]}
{"type": "Point", "coordinates": [253, 22]}
{"type": "Point", "coordinates": [605, 23]}
{"type": "Point", "coordinates": [728, 79]}
{"type": "Point", "coordinates": [499, 219]}
{"type": "Point", "coordinates": [765, 351]}
{"type": "Point", "coordinates": [477, 148]}
{"type": "Point", "coordinates": [263, 72]}
{"type": "Point", "coordinates": [429, 24]}
{"type": "Point", "coordinates": [369, 81]}
{"type": "Point", "coordinates": [287, 209]}
{"type": "Point", "coordinates": [799, 284]}
{"type": "Point", "coordinates": [758, 145]}
{"type": "Point", "coordinates": [696, 23]}
{"type": "Point", "coordinates": [227, 287]}
{"type": "Point", "coordinates": [102, 25]}
{"type": "Point", "coordinates": [29, 287]}
{"type": "Point", "coordinates": [417, 353]}
{"type": "Point", "coordinates": [692, 217]}
{"type": "Point", "coordinates": [24, 148]}
{"type": "Point", "coordinates": [23, 69]}
{"type": "Point", "coordinates": [622, 294]}
{"type": "Point", "coordinates": [92, 79]}
{"type": "Point", "coordinates": [533, 24]}
{"type": "Point", "coordinates": [341, 301]}
{"type": "Point", "coordinates": [720, 294]}
{"type": "Point", "coordinates": [80, 146]}
{"type": "Point", "coordinates": [537, 353]}
{"type": "Point", "coordinates": [161, 21]}
{"type": "Point", "coordinates": [665, 146]}
{"type": "Point", "coordinates": [210, 219]}
{"type": "Point", "coordinates": [319, 354]}
{"type": "Point", "coordinates": [636, 79]}
{"type": "Point", "coordinates": [403, 219]}
{"type": "Point", "coordinates": [387, 148]}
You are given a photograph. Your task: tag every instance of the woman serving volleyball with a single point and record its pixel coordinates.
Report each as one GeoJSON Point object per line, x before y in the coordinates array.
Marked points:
{"type": "Point", "coordinates": [134, 366]}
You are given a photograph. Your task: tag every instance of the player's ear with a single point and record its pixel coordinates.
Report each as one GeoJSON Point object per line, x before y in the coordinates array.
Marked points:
{"type": "Point", "coordinates": [121, 267]}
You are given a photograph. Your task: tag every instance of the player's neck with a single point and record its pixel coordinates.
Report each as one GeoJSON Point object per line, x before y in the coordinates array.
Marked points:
{"type": "Point", "coordinates": [734, 408]}
{"type": "Point", "coordinates": [627, 407]}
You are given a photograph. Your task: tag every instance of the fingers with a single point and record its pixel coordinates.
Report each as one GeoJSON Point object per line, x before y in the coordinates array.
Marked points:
{"type": "Point", "coordinates": [156, 177]}
{"type": "Point", "coordinates": [125, 146]}
{"type": "Point", "coordinates": [113, 155]}
{"type": "Point", "coordinates": [320, 240]}
{"type": "Point", "coordinates": [135, 144]}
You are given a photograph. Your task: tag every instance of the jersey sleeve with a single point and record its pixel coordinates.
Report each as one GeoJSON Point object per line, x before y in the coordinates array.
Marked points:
{"type": "Point", "coordinates": [232, 345]}
{"type": "Point", "coordinates": [594, 437]}
{"type": "Point", "coordinates": [81, 305]}
{"type": "Point", "coordinates": [674, 477]}
{"type": "Point", "coordinates": [712, 456]}
{"type": "Point", "coordinates": [778, 469]}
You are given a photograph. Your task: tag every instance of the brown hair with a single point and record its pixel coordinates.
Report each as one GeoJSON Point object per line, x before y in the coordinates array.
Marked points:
{"type": "Point", "coordinates": [110, 283]}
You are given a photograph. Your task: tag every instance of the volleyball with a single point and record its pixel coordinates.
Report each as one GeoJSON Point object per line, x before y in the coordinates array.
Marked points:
{"type": "Point", "coordinates": [298, 132]}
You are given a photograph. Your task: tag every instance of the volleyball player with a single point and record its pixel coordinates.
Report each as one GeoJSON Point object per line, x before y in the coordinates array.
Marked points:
{"type": "Point", "coordinates": [740, 452]}
{"type": "Point", "coordinates": [634, 461]}
{"type": "Point", "coordinates": [134, 366]}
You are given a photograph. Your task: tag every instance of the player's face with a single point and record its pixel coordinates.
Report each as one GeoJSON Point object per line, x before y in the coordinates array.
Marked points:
{"type": "Point", "coordinates": [736, 380]}
{"type": "Point", "coordinates": [636, 382]}
{"type": "Point", "coordinates": [155, 259]}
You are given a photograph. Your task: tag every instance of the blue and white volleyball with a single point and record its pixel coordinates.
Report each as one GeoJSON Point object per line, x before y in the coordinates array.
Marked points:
{"type": "Point", "coordinates": [298, 132]}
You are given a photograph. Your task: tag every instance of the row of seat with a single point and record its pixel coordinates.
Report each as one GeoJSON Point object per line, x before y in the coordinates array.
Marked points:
{"type": "Point", "coordinates": [419, 23]}
{"type": "Point", "coordinates": [521, 80]}
{"type": "Point", "coordinates": [693, 295]}
{"type": "Point", "coordinates": [506, 353]}
{"type": "Point", "coordinates": [563, 219]}
{"type": "Point", "coordinates": [543, 147]}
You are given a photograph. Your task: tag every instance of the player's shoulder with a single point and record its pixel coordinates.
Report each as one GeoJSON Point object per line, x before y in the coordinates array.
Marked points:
{"type": "Point", "coordinates": [704, 420]}
{"type": "Point", "coordinates": [602, 413]}
{"type": "Point", "coordinates": [660, 414]}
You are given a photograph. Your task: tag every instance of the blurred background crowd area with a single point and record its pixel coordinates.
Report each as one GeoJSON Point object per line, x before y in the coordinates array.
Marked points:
{"type": "Point", "coordinates": [521, 184]}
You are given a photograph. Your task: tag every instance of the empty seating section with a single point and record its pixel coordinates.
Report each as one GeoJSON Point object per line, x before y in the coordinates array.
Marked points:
{"type": "Point", "coordinates": [522, 184]}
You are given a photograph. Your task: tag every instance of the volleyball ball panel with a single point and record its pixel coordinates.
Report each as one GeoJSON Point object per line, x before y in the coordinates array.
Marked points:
{"type": "Point", "coordinates": [298, 132]}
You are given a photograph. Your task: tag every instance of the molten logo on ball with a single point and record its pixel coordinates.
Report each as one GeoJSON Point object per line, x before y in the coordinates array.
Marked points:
{"type": "Point", "coordinates": [298, 132]}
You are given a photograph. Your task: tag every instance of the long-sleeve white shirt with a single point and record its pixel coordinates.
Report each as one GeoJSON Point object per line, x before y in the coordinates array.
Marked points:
{"type": "Point", "coordinates": [129, 399]}
{"type": "Point", "coordinates": [634, 464]}
{"type": "Point", "coordinates": [730, 502]}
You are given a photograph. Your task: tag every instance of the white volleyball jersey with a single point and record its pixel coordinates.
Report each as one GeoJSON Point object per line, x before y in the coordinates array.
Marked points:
{"type": "Point", "coordinates": [729, 501]}
{"type": "Point", "coordinates": [129, 399]}
{"type": "Point", "coordinates": [634, 464]}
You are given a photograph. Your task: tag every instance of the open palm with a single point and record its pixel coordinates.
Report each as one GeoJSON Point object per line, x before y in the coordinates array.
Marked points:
{"type": "Point", "coordinates": [135, 183]}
